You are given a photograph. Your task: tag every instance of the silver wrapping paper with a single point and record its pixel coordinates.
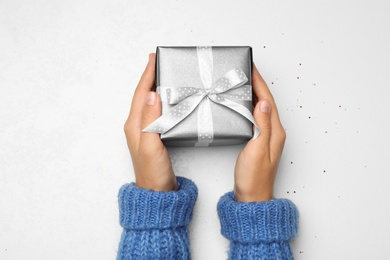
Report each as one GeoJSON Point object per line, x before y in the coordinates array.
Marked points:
{"type": "Point", "coordinates": [178, 67]}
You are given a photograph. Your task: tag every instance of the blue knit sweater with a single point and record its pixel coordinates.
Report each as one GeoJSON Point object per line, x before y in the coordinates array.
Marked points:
{"type": "Point", "coordinates": [155, 224]}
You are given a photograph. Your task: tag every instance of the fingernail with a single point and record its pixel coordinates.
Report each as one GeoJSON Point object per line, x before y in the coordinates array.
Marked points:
{"type": "Point", "coordinates": [265, 106]}
{"type": "Point", "coordinates": [150, 56]}
{"type": "Point", "coordinates": [151, 98]}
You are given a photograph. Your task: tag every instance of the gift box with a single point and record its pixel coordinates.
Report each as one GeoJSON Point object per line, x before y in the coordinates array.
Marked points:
{"type": "Point", "coordinates": [206, 95]}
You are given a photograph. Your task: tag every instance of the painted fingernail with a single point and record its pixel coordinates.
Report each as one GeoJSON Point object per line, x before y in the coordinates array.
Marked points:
{"type": "Point", "coordinates": [151, 98]}
{"type": "Point", "coordinates": [265, 106]}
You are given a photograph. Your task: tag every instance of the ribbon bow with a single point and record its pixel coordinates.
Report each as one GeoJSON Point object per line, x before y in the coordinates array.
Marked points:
{"type": "Point", "coordinates": [224, 91]}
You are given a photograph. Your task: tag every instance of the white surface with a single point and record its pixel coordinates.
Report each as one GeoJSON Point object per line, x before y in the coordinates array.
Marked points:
{"type": "Point", "coordinates": [67, 73]}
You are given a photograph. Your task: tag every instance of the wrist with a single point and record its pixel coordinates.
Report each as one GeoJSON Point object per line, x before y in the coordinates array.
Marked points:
{"type": "Point", "coordinates": [254, 196]}
{"type": "Point", "coordinates": [156, 185]}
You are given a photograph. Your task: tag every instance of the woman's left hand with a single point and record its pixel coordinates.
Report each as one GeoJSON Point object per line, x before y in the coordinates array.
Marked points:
{"type": "Point", "coordinates": [151, 162]}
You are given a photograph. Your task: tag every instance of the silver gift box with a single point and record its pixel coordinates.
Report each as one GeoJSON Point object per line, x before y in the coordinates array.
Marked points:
{"type": "Point", "coordinates": [178, 67]}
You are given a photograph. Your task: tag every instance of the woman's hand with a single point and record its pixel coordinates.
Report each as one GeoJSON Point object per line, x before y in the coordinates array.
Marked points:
{"type": "Point", "coordinates": [151, 162]}
{"type": "Point", "coordinates": [258, 162]}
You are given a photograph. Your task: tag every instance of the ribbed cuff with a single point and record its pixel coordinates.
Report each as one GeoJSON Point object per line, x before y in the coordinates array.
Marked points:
{"type": "Point", "coordinates": [142, 209]}
{"type": "Point", "coordinates": [257, 222]}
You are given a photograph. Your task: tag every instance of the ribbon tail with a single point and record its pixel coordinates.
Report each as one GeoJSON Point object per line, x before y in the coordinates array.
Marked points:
{"type": "Point", "coordinates": [205, 124]}
{"type": "Point", "coordinates": [174, 115]}
{"type": "Point", "coordinates": [239, 109]}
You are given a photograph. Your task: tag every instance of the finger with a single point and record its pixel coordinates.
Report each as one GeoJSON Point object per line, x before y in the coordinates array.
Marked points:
{"type": "Point", "coordinates": [262, 115]}
{"type": "Point", "coordinates": [146, 83]}
{"type": "Point", "coordinates": [263, 93]}
{"type": "Point", "coordinates": [150, 142]}
{"type": "Point", "coordinates": [259, 86]}
{"type": "Point", "coordinates": [147, 78]}
{"type": "Point", "coordinates": [278, 135]}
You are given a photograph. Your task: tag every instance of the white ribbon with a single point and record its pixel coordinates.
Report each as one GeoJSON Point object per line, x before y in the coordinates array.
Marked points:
{"type": "Point", "coordinates": [224, 91]}
{"type": "Point", "coordinates": [205, 120]}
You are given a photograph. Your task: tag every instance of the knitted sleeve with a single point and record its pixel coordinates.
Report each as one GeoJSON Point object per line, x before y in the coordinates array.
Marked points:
{"type": "Point", "coordinates": [258, 230]}
{"type": "Point", "coordinates": [155, 223]}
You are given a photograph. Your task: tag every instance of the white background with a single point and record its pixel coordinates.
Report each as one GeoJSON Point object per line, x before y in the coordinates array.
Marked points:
{"type": "Point", "coordinates": [68, 70]}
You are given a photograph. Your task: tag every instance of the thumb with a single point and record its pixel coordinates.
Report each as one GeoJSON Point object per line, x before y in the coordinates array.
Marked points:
{"type": "Point", "coordinates": [262, 117]}
{"type": "Point", "coordinates": [151, 111]}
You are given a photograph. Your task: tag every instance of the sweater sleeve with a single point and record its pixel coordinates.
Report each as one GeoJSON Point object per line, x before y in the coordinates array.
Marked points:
{"type": "Point", "coordinates": [258, 230]}
{"type": "Point", "coordinates": [155, 224]}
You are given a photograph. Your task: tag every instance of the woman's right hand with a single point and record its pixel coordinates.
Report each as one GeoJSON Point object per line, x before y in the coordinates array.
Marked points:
{"type": "Point", "coordinates": [258, 162]}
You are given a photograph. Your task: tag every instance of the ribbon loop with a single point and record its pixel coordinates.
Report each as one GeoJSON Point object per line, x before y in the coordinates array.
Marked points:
{"type": "Point", "coordinates": [175, 95]}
